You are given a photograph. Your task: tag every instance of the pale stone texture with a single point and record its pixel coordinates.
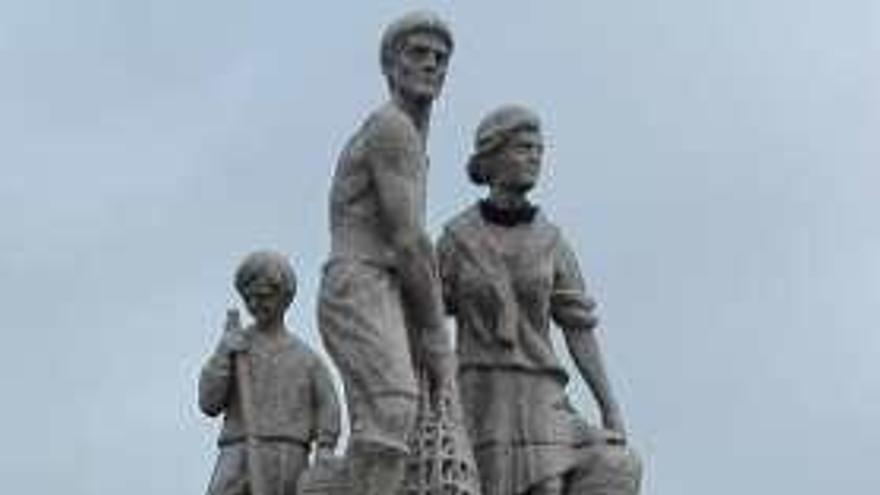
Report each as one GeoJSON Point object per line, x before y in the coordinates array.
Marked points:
{"type": "Point", "coordinates": [507, 273]}
{"type": "Point", "coordinates": [276, 396]}
{"type": "Point", "coordinates": [380, 309]}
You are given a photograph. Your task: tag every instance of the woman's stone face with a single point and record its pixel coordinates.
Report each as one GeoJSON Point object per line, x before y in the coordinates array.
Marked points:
{"type": "Point", "coordinates": [518, 163]}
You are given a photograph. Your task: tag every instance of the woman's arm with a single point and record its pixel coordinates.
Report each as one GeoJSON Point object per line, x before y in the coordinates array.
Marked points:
{"type": "Point", "coordinates": [584, 349]}
{"type": "Point", "coordinates": [573, 310]}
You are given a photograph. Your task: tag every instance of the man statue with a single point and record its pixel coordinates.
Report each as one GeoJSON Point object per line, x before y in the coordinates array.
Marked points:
{"type": "Point", "coordinates": [380, 311]}
{"type": "Point", "coordinates": [277, 398]}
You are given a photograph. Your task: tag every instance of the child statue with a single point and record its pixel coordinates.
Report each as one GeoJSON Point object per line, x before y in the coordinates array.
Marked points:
{"type": "Point", "coordinates": [277, 399]}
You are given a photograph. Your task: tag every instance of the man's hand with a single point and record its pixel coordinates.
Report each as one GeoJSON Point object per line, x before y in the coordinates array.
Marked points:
{"type": "Point", "coordinates": [441, 369]}
{"type": "Point", "coordinates": [234, 339]}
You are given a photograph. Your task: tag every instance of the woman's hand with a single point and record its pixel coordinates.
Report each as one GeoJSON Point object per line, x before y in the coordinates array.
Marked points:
{"type": "Point", "coordinates": [612, 421]}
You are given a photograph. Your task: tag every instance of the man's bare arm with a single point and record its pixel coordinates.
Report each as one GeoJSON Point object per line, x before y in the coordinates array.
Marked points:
{"type": "Point", "coordinates": [398, 192]}
{"type": "Point", "coordinates": [395, 162]}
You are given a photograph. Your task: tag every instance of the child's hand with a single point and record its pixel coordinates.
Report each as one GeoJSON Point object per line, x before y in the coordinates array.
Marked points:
{"type": "Point", "coordinates": [234, 339]}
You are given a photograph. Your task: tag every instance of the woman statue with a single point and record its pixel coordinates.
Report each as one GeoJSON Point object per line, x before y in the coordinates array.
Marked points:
{"type": "Point", "coordinates": [507, 272]}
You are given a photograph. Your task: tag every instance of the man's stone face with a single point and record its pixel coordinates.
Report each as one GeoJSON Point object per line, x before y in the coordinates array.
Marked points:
{"type": "Point", "coordinates": [420, 65]}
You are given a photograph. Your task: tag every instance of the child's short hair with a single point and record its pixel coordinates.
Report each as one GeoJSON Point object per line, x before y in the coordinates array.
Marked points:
{"type": "Point", "coordinates": [266, 264]}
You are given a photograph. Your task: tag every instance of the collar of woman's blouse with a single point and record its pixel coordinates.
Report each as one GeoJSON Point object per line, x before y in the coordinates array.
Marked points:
{"type": "Point", "coordinates": [507, 217]}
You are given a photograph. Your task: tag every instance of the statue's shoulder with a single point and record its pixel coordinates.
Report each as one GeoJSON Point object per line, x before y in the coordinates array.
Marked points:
{"type": "Point", "coordinates": [545, 235]}
{"type": "Point", "coordinates": [545, 226]}
{"type": "Point", "coordinates": [463, 223]}
{"type": "Point", "coordinates": [389, 126]}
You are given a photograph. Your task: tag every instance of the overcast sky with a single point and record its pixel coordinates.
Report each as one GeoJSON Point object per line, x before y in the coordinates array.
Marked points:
{"type": "Point", "coordinates": [715, 164]}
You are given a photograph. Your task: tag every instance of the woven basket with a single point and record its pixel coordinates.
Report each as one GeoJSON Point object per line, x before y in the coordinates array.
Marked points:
{"type": "Point", "coordinates": [441, 460]}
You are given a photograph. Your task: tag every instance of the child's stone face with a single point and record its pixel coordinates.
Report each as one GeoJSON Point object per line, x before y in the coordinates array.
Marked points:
{"type": "Point", "coordinates": [265, 299]}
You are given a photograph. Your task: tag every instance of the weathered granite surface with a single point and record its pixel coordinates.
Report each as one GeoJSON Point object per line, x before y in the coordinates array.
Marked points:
{"type": "Point", "coordinates": [491, 416]}
{"type": "Point", "coordinates": [508, 273]}
{"type": "Point", "coordinates": [380, 310]}
{"type": "Point", "coordinates": [276, 396]}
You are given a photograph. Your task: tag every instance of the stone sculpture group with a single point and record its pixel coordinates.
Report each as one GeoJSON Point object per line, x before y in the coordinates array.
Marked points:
{"type": "Point", "coordinates": [491, 415]}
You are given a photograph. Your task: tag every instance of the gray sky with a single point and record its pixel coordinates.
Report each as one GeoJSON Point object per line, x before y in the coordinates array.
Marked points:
{"type": "Point", "coordinates": [715, 164]}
